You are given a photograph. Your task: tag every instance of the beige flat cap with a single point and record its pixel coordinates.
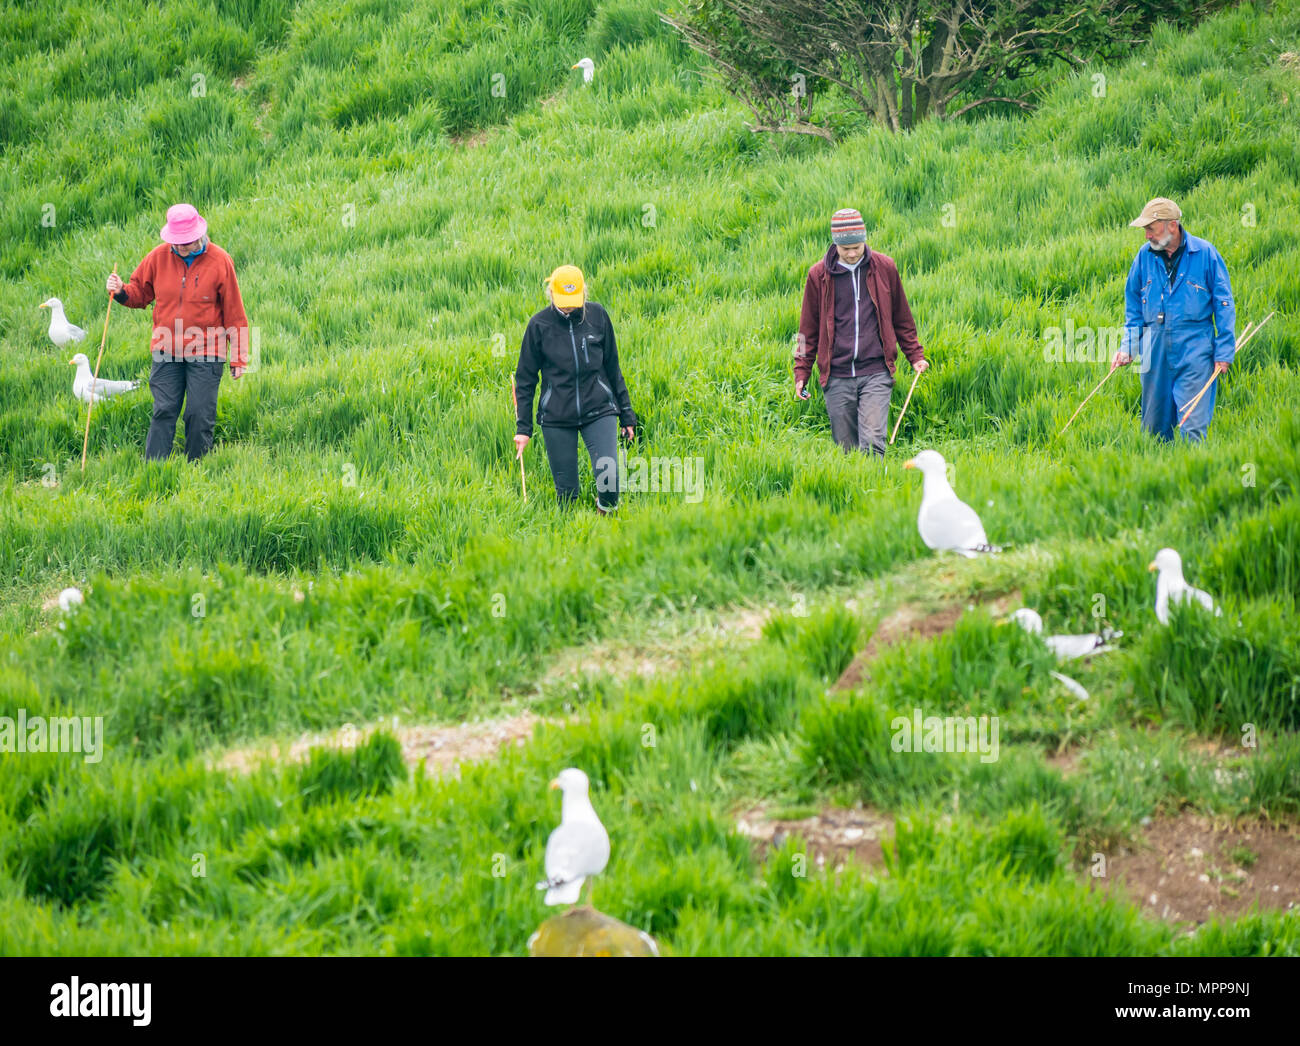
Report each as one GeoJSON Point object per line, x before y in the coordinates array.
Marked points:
{"type": "Point", "coordinates": [1157, 210]}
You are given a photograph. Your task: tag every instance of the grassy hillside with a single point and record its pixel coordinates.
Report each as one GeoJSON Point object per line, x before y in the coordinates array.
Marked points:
{"type": "Point", "coordinates": [359, 547]}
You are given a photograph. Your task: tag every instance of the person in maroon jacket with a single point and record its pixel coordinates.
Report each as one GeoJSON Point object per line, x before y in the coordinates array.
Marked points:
{"type": "Point", "coordinates": [855, 316]}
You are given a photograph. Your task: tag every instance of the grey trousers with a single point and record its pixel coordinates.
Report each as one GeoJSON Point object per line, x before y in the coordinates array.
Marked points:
{"type": "Point", "coordinates": [859, 410]}
{"type": "Point", "coordinates": [601, 438]}
{"type": "Point", "coordinates": [194, 381]}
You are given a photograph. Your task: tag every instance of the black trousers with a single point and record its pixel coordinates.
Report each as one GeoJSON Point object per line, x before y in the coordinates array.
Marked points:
{"type": "Point", "coordinates": [194, 381]}
{"type": "Point", "coordinates": [601, 438]}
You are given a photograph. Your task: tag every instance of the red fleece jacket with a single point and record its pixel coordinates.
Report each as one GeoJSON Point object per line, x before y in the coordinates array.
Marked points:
{"type": "Point", "coordinates": [197, 312]}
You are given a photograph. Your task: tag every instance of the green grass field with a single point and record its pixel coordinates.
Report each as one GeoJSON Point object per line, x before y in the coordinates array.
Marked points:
{"type": "Point", "coordinates": [356, 547]}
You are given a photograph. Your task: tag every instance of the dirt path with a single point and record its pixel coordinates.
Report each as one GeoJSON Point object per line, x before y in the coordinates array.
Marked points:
{"type": "Point", "coordinates": [441, 748]}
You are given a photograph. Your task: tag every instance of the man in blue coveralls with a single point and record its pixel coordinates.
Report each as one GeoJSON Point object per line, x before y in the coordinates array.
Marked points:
{"type": "Point", "coordinates": [1178, 307]}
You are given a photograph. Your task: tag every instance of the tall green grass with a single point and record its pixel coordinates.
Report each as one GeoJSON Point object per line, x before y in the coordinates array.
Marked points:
{"type": "Point", "coordinates": [427, 589]}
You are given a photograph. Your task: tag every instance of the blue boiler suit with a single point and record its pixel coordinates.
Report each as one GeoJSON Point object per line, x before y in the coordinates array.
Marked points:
{"type": "Point", "coordinates": [1178, 331]}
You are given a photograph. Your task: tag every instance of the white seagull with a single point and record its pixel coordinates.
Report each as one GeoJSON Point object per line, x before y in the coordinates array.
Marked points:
{"type": "Point", "coordinates": [1066, 648]}
{"type": "Point", "coordinates": [69, 598]}
{"type": "Point", "coordinates": [944, 520]}
{"type": "Point", "coordinates": [61, 331]}
{"type": "Point", "coordinates": [579, 848]}
{"type": "Point", "coordinates": [86, 387]}
{"type": "Point", "coordinates": [588, 68]}
{"type": "Point", "coordinates": [1171, 587]}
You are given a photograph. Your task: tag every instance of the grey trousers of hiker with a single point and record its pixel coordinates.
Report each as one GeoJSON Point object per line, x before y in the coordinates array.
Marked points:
{"type": "Point", "coordinates": [859, 410]}
{"type": "Point", "coordinates": [194, 381]}
{"type": "Point", "coordinates": [601, 438]}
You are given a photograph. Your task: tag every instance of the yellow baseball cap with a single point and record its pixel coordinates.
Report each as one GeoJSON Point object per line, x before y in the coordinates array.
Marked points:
{"type": "Point", "coordinates": [566, 285]}
{"type": "Point", "coordinates": [1157, 210]}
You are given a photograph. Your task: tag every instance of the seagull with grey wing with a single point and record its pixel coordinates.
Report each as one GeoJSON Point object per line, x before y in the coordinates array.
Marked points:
{"type": "Point", "coordinates": [1067, 648]}
{"type": "Point", "coordinates": [85, 386]}
{"type": "Point", "coordinates": [579, 848]}
{"type": "Point", "coordinates": [61, 331]}
{"type": "Point", "coordinates": [945, 521]}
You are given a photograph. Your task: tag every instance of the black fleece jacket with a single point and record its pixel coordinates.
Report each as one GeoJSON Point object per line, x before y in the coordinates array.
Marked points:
{"type": "Point", "coordinates": [576, 358]}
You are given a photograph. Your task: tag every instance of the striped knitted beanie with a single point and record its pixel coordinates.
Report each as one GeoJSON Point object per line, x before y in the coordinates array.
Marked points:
{"type": "Point", "coordinates": [848, 227]}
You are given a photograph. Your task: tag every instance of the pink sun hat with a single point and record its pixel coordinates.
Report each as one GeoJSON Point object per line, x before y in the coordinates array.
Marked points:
{"type": "Point", "coordinates": [184, 225]}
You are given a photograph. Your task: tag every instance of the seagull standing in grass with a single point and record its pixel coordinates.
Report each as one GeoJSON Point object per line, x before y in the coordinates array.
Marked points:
{"type": "Point", "coordinates": [579, 848]}
{"type": "Point", "coordinates": [1171, 587]}
{"type": "Point", "coordinates": [945, 521]}
{"type": "Point", "coordinates": [588, 68]}
{"type": "Point", "coordinates": [61, 331]}
{"type": "Point", "coordinates": [85, 386]}
{"type": "Point", "coordinates": [1066, 648]}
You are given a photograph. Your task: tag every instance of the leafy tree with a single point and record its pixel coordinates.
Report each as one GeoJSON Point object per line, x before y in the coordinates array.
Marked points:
{"type": "Point", "coordinates": [901, 61]}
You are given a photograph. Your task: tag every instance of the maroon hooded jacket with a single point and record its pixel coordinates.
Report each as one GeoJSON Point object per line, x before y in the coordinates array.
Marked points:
{"type": "Point", "coordinates": [817, 320]}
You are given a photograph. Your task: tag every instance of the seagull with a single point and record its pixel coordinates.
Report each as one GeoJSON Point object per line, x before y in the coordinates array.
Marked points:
{"type": "Point", "coordinates": [588, 68]}
{"type": "Point", "coordinates": [1171, 586]}
{"type": "Point", "coordinates": [945, 521]}
{"type": "Point", "coordinates": [85, 386]}
{"type": "Point", "coordinates": [1066, 648]}
{"type": "Point", "coordinates": [69, 598]}
{"type": "Point", "coordinates": [579, 848]}
{"type": "Point", "coordinates": [61, 331]}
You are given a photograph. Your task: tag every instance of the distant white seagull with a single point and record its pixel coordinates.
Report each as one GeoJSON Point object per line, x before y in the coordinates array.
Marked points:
{"type": "Point", "coordinates": [61, 331]}
{"type": "Point", "coordinates": [69, 598]}
{"type": "Point", "coordinates": [588, 68]}
{"type": "Point", "coordinates": [579, 848]}
{"type": "Point", "coordinates": [1172, 588]}
{"type": "Point", "coordinates": [1066, 648]}
{"type": "Point", "coordinates": [944, 520]}
{"type": "Point", "coordinates": [86, 387]}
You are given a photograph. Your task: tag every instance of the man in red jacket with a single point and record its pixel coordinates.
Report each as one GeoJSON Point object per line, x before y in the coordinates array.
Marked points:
{"type": "Point", "coordinates": [854, 317]}
{"type": "Point", "coordinates": [198, 326]}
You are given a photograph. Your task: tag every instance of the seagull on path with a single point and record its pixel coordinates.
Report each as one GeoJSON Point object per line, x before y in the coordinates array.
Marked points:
{"type": "Point", "coordinates": [579, 847]}
{"type": "Point", "coordinates": [85, 386]}
{"type": "Point", "coordinates": [945, 521]}
{"type": "Point", "coordinates": [61, 331]}
{"type": "Point", "coordinates": [1171, 587]}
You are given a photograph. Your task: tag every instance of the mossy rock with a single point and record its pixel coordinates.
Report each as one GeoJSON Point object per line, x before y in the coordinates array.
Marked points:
{"type": "Point", "coordinates": [585, 931]}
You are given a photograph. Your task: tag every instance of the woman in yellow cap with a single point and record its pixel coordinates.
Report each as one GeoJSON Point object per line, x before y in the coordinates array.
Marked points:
{"type": "Point", "coordinates": [570, 346]}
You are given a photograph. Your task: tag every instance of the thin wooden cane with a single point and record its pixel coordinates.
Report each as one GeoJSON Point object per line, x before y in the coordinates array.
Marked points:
{"type": "Point", "coordinates": [905, 403]}
{"type": "Point", "coordinates": [523, 483]}
{"type": "Point", "coordinates": [1113, 368]}
{"type": "Point", "coordinates": [1241, 344]}
{"type": "Point", "coordinates": [90, 406]}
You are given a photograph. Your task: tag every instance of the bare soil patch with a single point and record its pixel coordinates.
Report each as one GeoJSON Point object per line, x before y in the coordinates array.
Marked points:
{"type": "Point", "coordinates": [441, 747]}
{"type": "Point", "coordinates": [1192, 868]}
{"type": "Point", "coordinates": [832, 836]}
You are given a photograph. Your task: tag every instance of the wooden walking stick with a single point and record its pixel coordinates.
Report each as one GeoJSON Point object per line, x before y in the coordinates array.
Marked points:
{"type": "Point", "coordinates": [1113, 368]}
{"type": "Point", "coordinates": [1246, 335]}
{"type": "Point", "coordinates": [90, 405]}
{"type": "Point", "coordinates": [523, 483]}
{"type": "Point", "coordinates": [905, 403]}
